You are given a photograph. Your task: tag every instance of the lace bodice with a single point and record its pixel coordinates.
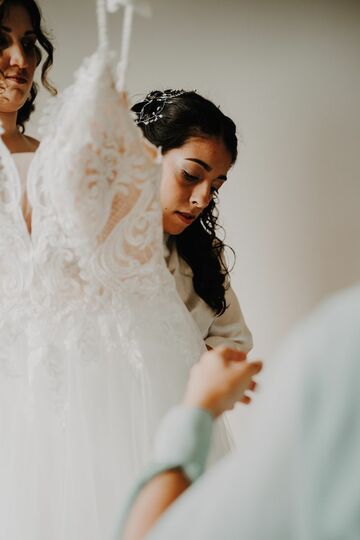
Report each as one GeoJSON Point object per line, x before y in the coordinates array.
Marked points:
{"type": "Point", "coordinates": [92, 186]}
{"type": "Point", "coordinates": [95, 244]}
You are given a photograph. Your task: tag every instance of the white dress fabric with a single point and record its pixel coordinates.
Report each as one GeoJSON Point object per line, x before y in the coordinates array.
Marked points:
{"type": "Point", "coordinates": [96, 344]}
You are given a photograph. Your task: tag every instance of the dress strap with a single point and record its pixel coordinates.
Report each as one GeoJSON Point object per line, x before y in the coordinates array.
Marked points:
{"type": "Point", "coordinates": [125, 48]}
{"type": "Point", "coordinates": [130, 6]}
{"type": "Point", "coordinates": [102, 23]}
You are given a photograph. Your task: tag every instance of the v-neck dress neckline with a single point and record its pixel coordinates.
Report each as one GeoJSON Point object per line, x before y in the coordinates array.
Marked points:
{"type": "Point", "coordinates": [22, 161]}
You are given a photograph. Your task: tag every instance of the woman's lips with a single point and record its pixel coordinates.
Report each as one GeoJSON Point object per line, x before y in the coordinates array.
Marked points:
{"type": "Point", "coordinates": [186, 218]}
{"type": "Point", "coordinates": [17, 80]}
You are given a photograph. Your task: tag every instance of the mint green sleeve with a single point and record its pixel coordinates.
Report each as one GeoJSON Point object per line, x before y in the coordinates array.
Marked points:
{"type": "Point", "coordinates": [182, 442]}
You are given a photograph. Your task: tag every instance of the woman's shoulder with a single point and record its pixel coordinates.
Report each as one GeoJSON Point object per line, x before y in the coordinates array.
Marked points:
{"type": "Point", "coordinates": [32, 143]}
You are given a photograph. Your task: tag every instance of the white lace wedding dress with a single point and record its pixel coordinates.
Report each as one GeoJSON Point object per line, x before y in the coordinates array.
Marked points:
{"type": "Point", "coordinates": [95, 343]}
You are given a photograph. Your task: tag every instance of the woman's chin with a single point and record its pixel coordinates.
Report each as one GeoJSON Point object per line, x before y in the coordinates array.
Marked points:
{"type": "Point", "coordinates": [174, 231]}
{"type": "Point", "coordinates": [173, 228]}
{"type": "Point", "coordinates": [176, 223]}
{"type": "Point", "coordinates": [13, 99]}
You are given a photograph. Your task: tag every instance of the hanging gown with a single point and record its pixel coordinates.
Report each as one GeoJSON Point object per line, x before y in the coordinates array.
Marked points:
{"type": "Point", "coordinates": [96, 345]}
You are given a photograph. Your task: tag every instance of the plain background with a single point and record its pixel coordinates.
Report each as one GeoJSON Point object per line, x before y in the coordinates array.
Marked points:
{"type": "Point", "coordinates": [288, 73]}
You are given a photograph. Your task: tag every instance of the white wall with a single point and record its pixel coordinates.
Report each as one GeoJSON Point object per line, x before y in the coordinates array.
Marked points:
{"type": "Point", "coordinates": [288, 73]}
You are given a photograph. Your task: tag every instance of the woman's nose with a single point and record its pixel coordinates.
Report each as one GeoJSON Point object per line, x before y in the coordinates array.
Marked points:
{"type": "Point", "coordinates": [201, 195]}
{"type": "Point", "coordinates": [18, 57]}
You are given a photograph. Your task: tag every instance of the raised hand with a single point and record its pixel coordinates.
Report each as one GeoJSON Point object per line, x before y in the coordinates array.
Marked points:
{"type": "Point", "coordinates": [220, 380]}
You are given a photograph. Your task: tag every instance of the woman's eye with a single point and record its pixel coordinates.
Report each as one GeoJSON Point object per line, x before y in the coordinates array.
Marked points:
{"type": "Point", "coordinates": [29, 45]}
{"type": "Point", "coordinates": [3, 42]}
{"type": "Point", "coordinates": [214, 190]}
{"type": "Point", "coordinates": [190, 177]}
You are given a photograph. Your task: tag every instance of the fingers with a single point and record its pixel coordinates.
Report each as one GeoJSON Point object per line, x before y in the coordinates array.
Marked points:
{"type": "Point", "coordinates": [246, 370]}
{"type": "Point", "coordinates": [256, 366]}
{"type": "Point", "coordinates": [233, 355]}
{"type": "Point", "coordinates": [222, 378]}
{"type": "Point", "coordinates": [246, 399]}
{"type": "Point", "coordinates": [226, 354]}
{"type": "Point", "coordinates": [229, 355]}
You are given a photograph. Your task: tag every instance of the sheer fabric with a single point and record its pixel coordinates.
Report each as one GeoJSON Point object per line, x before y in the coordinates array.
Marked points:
{"type": "Point", "coordinates": [95, 343]}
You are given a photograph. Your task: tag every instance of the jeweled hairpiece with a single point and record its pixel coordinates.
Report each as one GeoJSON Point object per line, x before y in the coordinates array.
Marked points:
{"type": "Point", "coordinates": [158, 100]}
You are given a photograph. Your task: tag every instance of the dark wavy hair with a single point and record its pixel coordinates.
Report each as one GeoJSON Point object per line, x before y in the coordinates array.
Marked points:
{"type": "Point", "coordinates": [184, 116]}
{"type": "Point", "coordinates": [36, 19]}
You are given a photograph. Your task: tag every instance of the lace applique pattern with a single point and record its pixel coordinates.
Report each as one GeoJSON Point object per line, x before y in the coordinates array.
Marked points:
{"type": "Point", "coordinates": [93, 270]}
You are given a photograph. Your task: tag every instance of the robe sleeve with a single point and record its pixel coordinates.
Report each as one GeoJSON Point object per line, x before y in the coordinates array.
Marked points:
{"type": "Point", "coordinates": [230, 328]}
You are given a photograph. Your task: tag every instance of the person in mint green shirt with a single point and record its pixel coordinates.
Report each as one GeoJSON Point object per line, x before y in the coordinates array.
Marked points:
{"type": "Point", "coordinates": [297, 474]}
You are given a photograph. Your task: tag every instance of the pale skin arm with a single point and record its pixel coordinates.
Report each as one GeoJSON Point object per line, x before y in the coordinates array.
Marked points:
{"type": "Point", "coordinates": [217, 382]}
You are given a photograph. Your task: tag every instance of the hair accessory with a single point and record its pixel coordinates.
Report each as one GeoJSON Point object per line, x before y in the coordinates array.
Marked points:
{"type": "Point", "coordinates": [159, 100]}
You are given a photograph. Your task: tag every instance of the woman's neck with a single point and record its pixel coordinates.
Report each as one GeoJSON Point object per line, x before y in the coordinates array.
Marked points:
{"type": "Point", "coordinates": [13, 139]}
{"type": "Point", "coordinates": [8, 121]}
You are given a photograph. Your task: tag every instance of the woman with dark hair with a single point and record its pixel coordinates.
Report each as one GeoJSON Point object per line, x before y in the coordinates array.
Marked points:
{"type": "Point", "coordinates": [199, 145]}
{"type": "Point", "coordinates": [20, 31]}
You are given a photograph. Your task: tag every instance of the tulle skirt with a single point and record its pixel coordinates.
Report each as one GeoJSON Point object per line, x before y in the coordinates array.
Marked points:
{"type": "Point", "coordinates": [81, 395]}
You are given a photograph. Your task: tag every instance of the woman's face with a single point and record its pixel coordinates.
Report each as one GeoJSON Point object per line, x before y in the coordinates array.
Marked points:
{"type": "Point", "coordinates": [191, 175]}
{"type": "Point", "coordinates": [17, 59]}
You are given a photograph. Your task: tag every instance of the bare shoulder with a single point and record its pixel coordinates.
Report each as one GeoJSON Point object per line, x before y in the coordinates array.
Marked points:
{"type": "Point", "coordinates": [32, 143]}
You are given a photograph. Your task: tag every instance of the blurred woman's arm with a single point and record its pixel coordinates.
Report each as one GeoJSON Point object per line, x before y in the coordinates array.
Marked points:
{"type": "Point", "coordinates": [216, 383]}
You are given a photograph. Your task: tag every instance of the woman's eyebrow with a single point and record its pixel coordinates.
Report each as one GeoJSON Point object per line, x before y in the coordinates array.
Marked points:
{"type": "Point", "coordinates": [200, 162]}
{"type": "Point", "coordinates": [9, 30]}
{"type": "Point", "coordinates": [206, 166]}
